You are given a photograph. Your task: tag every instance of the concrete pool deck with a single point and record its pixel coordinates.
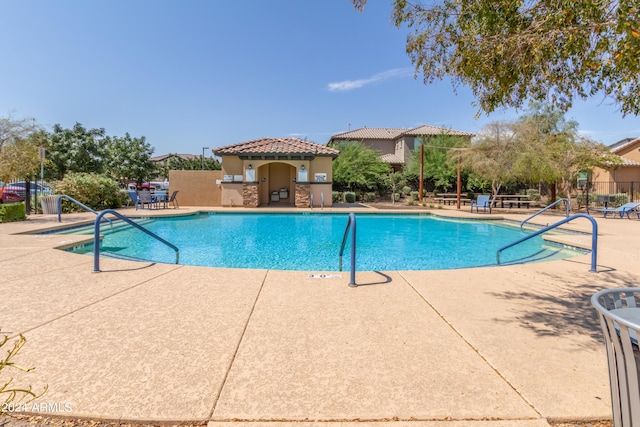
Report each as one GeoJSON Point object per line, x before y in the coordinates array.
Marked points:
{"type": "Point", "coordinates": [498, 346]}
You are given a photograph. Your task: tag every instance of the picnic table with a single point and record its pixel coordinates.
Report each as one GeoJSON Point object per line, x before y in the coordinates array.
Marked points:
{"type": "Point", "coordinates": [512, 199]}
{"type": "Point", "coordinates": [451, 198]}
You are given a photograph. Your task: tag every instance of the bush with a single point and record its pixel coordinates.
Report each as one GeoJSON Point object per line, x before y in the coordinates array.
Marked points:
{"type": "Point", "coordinates": [533, 194]}
{"type": "Point", "coordinates": [96, 191]}
{"type": "Point", "coordinates": [619, 199]}
{"type": "Point", "coordinates": [11, 212]}
{"type": "Point", "coordinates": [406, 190]}
{"type": "Point", "coordinates": [369, 197]}
{"type": "Point", "coordinates": [349, 197]}
{"type": "Point", "coordinates": [414, 196]}
{"type": "Point", "coordinates": [335, 196]}
{"type": "Point", "coordinates": [396, 197]}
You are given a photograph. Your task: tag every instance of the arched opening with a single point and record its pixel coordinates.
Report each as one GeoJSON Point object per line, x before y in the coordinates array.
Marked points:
{"type": "Point", "coordinates": [276, 184]}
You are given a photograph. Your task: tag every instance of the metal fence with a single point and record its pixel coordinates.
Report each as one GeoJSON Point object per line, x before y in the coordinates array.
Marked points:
{"type": "Point", "coordinates": [630, 189]}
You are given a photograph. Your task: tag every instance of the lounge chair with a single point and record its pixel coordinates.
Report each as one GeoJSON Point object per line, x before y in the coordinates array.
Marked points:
{"type": "Point", "coordinates": [483, 202]}
{"type": "Point", "coordinates": [627, 208]}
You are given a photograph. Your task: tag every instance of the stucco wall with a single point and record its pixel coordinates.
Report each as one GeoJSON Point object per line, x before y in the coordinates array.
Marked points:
{"type": "Point", "coordinates": [631, 152]}
{"type": "Point", "coordinates": [196, 188]}
{"type": "Point", "coordinates": [317, 190]}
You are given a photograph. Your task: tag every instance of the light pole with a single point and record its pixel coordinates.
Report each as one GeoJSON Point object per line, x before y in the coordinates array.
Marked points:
{"type": "Point", "coordinates": [203, 148]}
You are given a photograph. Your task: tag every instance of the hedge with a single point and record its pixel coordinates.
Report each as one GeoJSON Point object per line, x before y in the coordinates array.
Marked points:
{"type": "Point", "coordinates": [11, 212]}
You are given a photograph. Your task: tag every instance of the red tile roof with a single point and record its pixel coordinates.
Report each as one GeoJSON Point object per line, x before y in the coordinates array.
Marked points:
{"type": "Point", "coordinates": [392, 159]}
{"type": "Point", "coordinates": [629, 162]}
{"type": "Point", "coordinates": [276, 146]}
{"type": "Point", "coordinates": [395, 133]}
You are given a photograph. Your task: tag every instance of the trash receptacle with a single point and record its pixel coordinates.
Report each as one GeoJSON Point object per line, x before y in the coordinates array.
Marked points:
{"type": "Point", "coordinates": [49, 204]}
{"type": "Point", "coordinates": [619, 314]}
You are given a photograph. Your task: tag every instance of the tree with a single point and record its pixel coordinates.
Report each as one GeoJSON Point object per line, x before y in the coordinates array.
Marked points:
{"type": "Point", "coordinates": [75, 150]}
{"type": "Point", "coordinates": [129, 158]}
{"type": "Point", "coordinates": [196, 163]}
{"type": "Point", "coordinates": [551, 149]}
{"type": "Point", "coordinates": [19, 143]}
{"type": "Point", "coordinates": [440, 160]}
{"type": "Point", "coordinates": [509, 51]}
{"type": "Point", "coordinates": [493, 155]}
{"type": "Point", "coordinates": [358, 167]}
{"type": "Point", "coordinates": [394, 182]}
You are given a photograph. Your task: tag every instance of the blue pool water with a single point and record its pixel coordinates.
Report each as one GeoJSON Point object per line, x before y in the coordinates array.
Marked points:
{"type": "Point", "coordinates": [312, 242]}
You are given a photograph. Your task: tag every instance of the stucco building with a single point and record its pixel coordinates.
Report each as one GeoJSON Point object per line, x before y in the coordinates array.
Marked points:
{"type": "Point", "coordinates": [276, 172]}
{"type": "Point", "coordinates": [396, 144]}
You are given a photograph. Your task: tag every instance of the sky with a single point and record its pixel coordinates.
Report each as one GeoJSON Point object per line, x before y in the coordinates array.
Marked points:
{"type": "Point", "coordinates": [190, 74]}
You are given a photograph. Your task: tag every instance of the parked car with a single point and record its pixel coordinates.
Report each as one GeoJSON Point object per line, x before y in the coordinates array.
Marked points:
{"type": "Point", "coordinates": [153, 185]}
{"type": "Point", "coordinates": [36, 187]}
{"type": "Point", "coordinates": [12, 194]}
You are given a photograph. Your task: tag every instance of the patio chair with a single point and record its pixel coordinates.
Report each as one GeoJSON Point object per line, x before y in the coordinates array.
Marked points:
{"type": "Point", "coordinates": [483, 202]}
{"type": "Point", "coordinates": [173, 200]}
{"type": "Point", "coordinates": [133, 198]}
{"type": "Point", "coordinates": [627, 209]}
{"type": "Point", "coordinates": [618, 313]}
{"type": "Point", "coordinates": [144, 197]}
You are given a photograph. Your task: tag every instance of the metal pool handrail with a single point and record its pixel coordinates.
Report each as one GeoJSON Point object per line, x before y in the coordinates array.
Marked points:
{"type": "Point", "coordinates": [64, 196]}
{"type": "Point", "coordinates": [594, 237]}
{"type": "Point", "coordinates": [96, 236]}
{"type": "Point", "coordinates": [567, 205]}
{"type": "Point", "coordinates": [351, 223]}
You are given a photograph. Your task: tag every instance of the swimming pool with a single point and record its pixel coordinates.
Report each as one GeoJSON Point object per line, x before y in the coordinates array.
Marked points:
{"type": "Point", "coordinates": [311, 241]}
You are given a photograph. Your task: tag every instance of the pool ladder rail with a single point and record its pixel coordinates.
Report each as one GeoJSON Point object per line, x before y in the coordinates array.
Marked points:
{"type": "Point", "coordinates": [321, 201]}
{"type": "Point", "coordinates": [567, 205]}
{"type": "Point", "coordinates": [71, 199]}
{"type": "Point", "coordinates": [351, 224]}
{"type": "Point", "coordinates": [594, 238]}
{"type": "Point", "coordinates": [96, 236]}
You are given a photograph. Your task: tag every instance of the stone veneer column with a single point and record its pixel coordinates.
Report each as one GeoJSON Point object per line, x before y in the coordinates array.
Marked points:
{"type": "Point", "coordinates": [250, 194]}
{"type": "Point", "coordinates": [303, 194]}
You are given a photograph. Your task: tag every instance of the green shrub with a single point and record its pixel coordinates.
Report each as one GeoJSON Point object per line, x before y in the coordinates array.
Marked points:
{"type": "Point", "coordinates": [406, 190]}
{"type": "Point", "coordinates": [414, 196]}
{"type": "Point", "coordinates": [96, 191]}
{"type": "Point", "coordinates": [369, 197]}
{"type": "Point", "coordinates": [533, 194]}
{"type": "Point", "coordinates": [335, 196]}
{"type": "Point", "coordinates": [349, 197]}
{"type": "Point", "coordinates": [396, 197]}
{"type": "Point", "coordinates": [619, 199]}
{"type": "Point", "coordinates": [10, 212]}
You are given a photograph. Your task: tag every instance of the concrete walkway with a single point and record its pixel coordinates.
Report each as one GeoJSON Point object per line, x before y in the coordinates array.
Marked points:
{"type": "Point", "coordinates": [499, 346]}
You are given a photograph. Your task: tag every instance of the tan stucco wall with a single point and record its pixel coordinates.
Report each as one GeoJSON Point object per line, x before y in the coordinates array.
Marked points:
{"type": "Point", "coordinates": [231, 165]}
{"type": "Point", "coordinates": [631, 152]}
{"type": "Point", "coordinates": [620, 174]}
{"type": "Point", "coordinates": [231, 194]}
{"type": "Point", "coordinates": [273, 175]}
{"type": "Point", "coordinates": [384, 146]}
{"type": "Point", "coordinates": [317, 190]}
{"type": "Point", "coordinates": [196, 188]}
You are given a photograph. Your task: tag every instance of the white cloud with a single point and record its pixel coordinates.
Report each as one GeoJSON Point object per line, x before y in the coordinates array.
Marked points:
{"type": "Point", "coordinates": [377, 78]}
